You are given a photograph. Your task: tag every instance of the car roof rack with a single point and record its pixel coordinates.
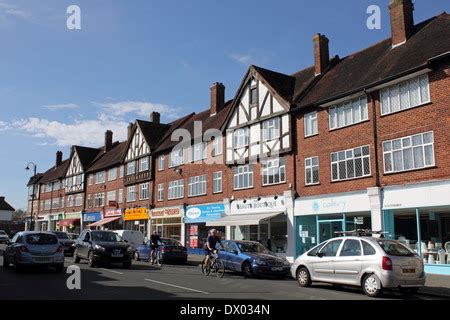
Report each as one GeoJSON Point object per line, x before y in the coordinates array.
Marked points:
{"type": "Point", "coordinates": [360, 232]}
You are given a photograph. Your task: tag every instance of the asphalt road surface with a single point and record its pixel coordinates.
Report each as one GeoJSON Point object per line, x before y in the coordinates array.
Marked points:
{"type": "Point", "coordinates": [143, 281]}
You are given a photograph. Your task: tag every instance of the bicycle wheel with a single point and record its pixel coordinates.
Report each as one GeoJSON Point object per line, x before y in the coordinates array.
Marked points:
{"type": "Point", "coordinates": [219, 268]}
{"type": "Point", "coordinates": [206, 268]}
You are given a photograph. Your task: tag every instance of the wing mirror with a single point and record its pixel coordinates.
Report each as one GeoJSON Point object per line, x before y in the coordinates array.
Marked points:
{"type": "Point", "coordinates": [235, 252]}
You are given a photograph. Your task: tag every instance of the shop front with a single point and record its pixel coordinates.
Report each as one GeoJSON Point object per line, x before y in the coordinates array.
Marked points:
{"type": "Point", "coordinates": [136, 219]}
{"type": "Point", "coordinates": [262, 219]}
{"type": "Point", "coordinates": [54, 218]}
{"type": "Point", "coordinates": [320, 218]}
{"type": "Point", "coordinates": [419, 216]}
{"type": "Point", "coordinates": [71, 223]}
{"type": "Point", "coordinates": [42, 222]}
{"type": "Point", "coordinates": [91, 217]}
{"type": "Point", "coordinates": [196, 230]}
{"type": "Point", "coordinates": [112, 220]}
{"type": "Point", "coordinates": [168, 222]}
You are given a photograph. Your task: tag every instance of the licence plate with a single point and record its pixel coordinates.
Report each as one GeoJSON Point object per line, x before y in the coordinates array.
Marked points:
{"type": "Point", "coordinates": [277, 269]}
{"type": "Point", "coordinates": [410, 270]}
{"type": "Point", "coordinates": [117, 255]}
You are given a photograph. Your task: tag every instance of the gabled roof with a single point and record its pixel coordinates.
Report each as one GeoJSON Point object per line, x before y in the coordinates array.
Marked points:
{"type": "Point", "coordinates": [35, 179]}
{"type": "Point", "coordinates": [87, 155]}
{"type": "Point", "coordinates": [5, 206]}
{"type": "Point", "coordinates": [282, 84]}
{"type": "Point", "coordinates": [380, 63]}
{"type": "Point", "coordinates": [109, 159]}
{"type": "Point", "coordinates": [55, 173]}
{"type": "Point", "coordinates": [208, 122]}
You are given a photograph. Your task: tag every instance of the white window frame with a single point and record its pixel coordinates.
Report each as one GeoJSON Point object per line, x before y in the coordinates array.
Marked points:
{"type": "Point", "coordinates": [161, 159]}
{"type": "Point", "coordinates": [217, 182]}
{"type": "Point", "coordinates": [396, 89]}
{"type": "Point", "coordinates": [100, 177]}
{"type": "Point", "coordinates": [309, 171]}
{"type": "Point", "coordinates": [271, 129]}
{"type": "Point", "coordinates": [78, 200]}
{"type": "Point", "coordinates": [99, 200]}
{"type": "Point", "coordinates": [144, 164]}
{"type": "Point", "coordinates": [131, 165]}
{"type": "Point", "coordinates": [111, 196]}
{"type": "Point", "coordinates": [407, 143]}
{"type": "Point", "coordinates": [176, 189]}
{"type": "Point", "coordinates": [176, 157]}
{"type": "Point", "coordinates": [160, 192]}
{"type": "Point", "coordinates": [311, 124]}
{"type": "Point", "coordinates": [90, 202]}
{"type": "Point", "coordinates": [47, 204]}
{"type": "Point", "coordinates": [358, 108]}
{"type": "Point", "coordinates": [121, 171]}
{"type": "Point", "coordinates": [144, 191]}
{"type": "Point", "coordinates": [131, 194]}
{"type": "Point", "coordinates": [197, 186]}
{"type": "Point", "coordinates": [241, 138]}
{"type": "Point", "coordinates": [246, 172]}
{"type": "Point", "coordinates": [91, 180]}
{"type": "Point", "coordinates": [217, 146]}
{"type": "Point", "coordinates": [275, 168]}
{"type": "Point", "coordinates": [112, 174]}
{"type": "Point", "coordinates": [198, 152]}
{"type": "Point", "coordinates": [351, 157]}
{"type": "Point", "coordinates": [120, 196]}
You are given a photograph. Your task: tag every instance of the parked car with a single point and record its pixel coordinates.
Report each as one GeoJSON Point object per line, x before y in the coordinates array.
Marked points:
{"type": "Point", "coordinates": [64, 239]}
{"type": "Point", "coordinates": [171, 250]}
{"type": "Point", "coordinates": [34, 248]}
{"type": "Point", "coordinates": [99, 247]}
{"type": "Point", "coordinates": [3, 237]}
{"type": "Point", "coordinates": [134, 238]}
{"type": "Point", "coordinates": [371, 263]}
{"type": "Point", "coordinates": [73, 236]}
{"type": "Point", "coordinates": [252, 259]}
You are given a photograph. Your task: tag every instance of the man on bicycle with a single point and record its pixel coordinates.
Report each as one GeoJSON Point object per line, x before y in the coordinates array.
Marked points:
{"type": "Point", "coordinates": [155, 240]}
{"type": "Point", "coordinates": [211, 243]}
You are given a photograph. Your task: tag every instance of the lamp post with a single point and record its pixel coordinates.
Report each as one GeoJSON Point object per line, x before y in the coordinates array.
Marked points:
{"type": "Point", "coordinates": [34, 192]}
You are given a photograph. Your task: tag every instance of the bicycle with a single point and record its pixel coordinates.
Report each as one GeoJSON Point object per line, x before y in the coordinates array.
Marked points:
{"type": "Point", "coordinates": [214, 265]}
{"type": "Point", "coordinates": [156, 257]}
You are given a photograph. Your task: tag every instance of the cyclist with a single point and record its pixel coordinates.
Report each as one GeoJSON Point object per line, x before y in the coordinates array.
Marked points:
{"type": "Point", "coordinates": [155, 240]}
{"type": "Point", "coordinates": [210, 247]}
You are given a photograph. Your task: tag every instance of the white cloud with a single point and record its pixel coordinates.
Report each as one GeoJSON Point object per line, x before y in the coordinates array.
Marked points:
{"type": "Point", "coordinates": [88, 133]}
{"type": "Point", "coordinates": [252, 56]}
{"type": "Point", "coordinates": [64, 106]}
{"type": "Point", "coordinates": [140, 108]}
{"type": "Point", "coordinates": [7, 9]}
{"type": "Point", "coordinates": [3, 125]}
{"type": "Point", "coordinates": [242, 58]}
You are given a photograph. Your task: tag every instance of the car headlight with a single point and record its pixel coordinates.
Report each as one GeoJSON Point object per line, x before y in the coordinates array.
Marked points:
{"type": "Point", "coordinates": [286, 263]}
{"type": "Point", "coordinates": [129, 249]}
{"type": "Point", "coordinates": [100, 248]}
{"type": "Point", "coordinates": [260, 262]}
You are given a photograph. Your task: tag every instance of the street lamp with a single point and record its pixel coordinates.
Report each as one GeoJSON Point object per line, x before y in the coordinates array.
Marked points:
{"type": "Point", "coordinates": [33, 195]}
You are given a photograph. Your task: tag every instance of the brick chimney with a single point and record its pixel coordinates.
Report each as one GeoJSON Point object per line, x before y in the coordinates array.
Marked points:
{"type": "Point", "coordinates": [155, 117]}
{"type": "Point", "coordinates": [108, 140]}
{"type": "Point", "coordinates": [59, 156]}
{"type": "Point", "coordinates": [321, 53]}
{"type": "Point", "coordinates": [217, 97]}
{"type": "Point", "coordinates": [402, 20]}
{"type": "Point", "coordinates": [130, 130]}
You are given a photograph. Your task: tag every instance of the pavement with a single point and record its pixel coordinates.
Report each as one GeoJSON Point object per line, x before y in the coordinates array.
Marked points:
{"type": "Point", "coordinates": [172, 282]}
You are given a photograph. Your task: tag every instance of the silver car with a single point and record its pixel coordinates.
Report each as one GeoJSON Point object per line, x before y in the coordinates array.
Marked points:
{"type": "Point", "coordinates": [3, 237]}
{"type": "Point", "coordinates": [34, 248]}
{"type": "Point", "coordinates": [371, 263]}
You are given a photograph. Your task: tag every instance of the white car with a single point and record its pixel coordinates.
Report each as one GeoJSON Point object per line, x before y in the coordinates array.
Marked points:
{"type": "Point", "coordinates": [3, 237]}
{"type": "Point", "coordinates": [370, 263]}
{"type": "Point", "coordinates": [133, 238]}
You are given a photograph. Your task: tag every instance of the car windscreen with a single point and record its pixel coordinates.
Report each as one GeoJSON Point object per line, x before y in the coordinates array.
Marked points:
{"type": "Point", "coordinates": [3, 233]}
{"type": "Point", "coordinates": [252, 247]}
{"type": "Point", "coordinates": [394, 248]}
{"type": "Point", "coordinates": [41, 238]}
{"type": "Point", "coordinates": [61, 235]}
{"type": "Point", "coordinates": [105, 236]}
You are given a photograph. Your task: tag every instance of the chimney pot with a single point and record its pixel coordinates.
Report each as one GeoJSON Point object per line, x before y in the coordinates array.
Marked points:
{"type": "Point", "coordinates": [402, 20]}
{"type": "Point", "coordinates": [108, 140]}
{"type": "Point", "coordinates": [155, 117]}
{"type": "Point", "coordinates": [217, 97]}
{"type": "Point", "coordinates": [59, 156]}
{"type": "Point", "coordinates": [321, 53]}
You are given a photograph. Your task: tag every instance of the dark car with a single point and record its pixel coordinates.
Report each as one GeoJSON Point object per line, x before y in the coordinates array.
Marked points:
{"type": "Point", "coordinates": [171, 250]}
{"type": "Point", "coordinates": [252, 259]}
{"type": "Point", "coordinates": [68, 244]}
{"type": "Point", "coordinates": [102, 247]}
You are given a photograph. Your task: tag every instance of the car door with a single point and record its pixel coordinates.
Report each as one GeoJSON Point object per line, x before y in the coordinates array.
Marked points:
{"type": "Point", "coordinates": [236, 258]}
{"type": "Point", "coordinates": [348, 263]}
{"type": "Point", "coordinates": [323, 267]}
{"type": "Point", "coordinates": [224, 254]}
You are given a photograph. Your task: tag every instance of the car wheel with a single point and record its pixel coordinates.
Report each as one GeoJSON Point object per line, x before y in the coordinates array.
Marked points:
{"type": "Point", "coordinates": [136, 256]}
{"type": "Point", "coordinates": [247, 269]}
{"type": "Point", "coordinates": [91, 262]}
{"type": "Point", "coordinates": [76, 258]}
{"type": "Point", "coordinates": [303, 277]}
{"type": "Point", "coordinates": [372, 285]}
{"type": "Point", "coordinates": [59, 268]}
{"type": "Point", "coordinates": [127, 265]}
{"type": "Point", "coordinates": [409, 291]}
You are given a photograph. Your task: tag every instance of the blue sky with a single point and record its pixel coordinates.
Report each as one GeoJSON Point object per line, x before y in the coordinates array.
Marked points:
{"type": "Point", "coordinates": [60, 87]}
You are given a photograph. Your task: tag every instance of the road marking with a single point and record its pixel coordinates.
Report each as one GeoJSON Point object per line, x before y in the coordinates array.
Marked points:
{"type": "Point", "coordinates": [175, 286]}
{"type": "Point", "coordinates": [113, 271]}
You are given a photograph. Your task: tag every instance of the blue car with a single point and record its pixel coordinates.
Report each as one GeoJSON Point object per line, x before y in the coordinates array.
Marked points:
{"type": "Point", "coordinates": [252, 259]}
{"type": "Point", "coordinates": [171, 250]}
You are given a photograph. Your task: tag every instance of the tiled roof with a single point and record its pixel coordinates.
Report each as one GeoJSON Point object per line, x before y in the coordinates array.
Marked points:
{"type": "Point", "coordinates": [55, 173]}
{"type": "Point", "coordinates": [87, 155]}
{"type": "Point", "coordinates": [5, 206]}
{"type": "Point", "coordinates": [35, 179]}
{"type": "Point", "coordinates": [109, 159]}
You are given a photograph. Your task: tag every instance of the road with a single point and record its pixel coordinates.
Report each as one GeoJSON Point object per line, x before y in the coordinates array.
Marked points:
{"type": "Point", "coordinates": [143, 281]}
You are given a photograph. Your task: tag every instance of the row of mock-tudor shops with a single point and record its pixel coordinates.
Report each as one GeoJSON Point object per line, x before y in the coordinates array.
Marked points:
{"type": "Point", "coordinates": [355, 143]}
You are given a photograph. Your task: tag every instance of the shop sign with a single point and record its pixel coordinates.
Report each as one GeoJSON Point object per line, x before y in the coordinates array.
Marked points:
{"type": "Point", "coordinates": [113, 213]}
{"type": "Point", "coordinates": [354, 202]}
{"type": "Point", "coordinates": [204, 213]}
{"type": "Point", "coordinates": [165, 213]}
{"type": "Point", "coordinates": [54, 217]}
{"type": "Point", "coordinates": [136, 214]}
{"type": "Point", "coordinates": [263, 205]}
{"type": "Point", "coordinates": [92, 217]}
{"type": "Point", "coordinates": [359, 220]}
{"type": "Point", "coordinates": [73, 215]}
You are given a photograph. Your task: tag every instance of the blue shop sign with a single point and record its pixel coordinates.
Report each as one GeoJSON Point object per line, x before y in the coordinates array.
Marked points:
{"type": "Point", "coordinates": [204, 213]}
{"type": "Point", "coordinates": [92, 217]}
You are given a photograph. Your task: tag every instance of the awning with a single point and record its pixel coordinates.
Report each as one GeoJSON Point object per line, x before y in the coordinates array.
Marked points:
{"type": "Point", "coordinates": [67, 222]}
{"type": "Point", "coordinates": [103, 221]}
{"type": "Point", "coordinates": [242, 219]}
